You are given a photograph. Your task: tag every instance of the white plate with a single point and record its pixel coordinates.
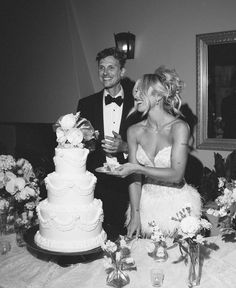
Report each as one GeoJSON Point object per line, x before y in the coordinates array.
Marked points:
{"type": "Point", "coordinates": [104, 170]}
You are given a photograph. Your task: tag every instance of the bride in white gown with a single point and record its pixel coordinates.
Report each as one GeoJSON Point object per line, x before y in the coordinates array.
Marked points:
{"type": "Point", "coordinates": [158, 152]}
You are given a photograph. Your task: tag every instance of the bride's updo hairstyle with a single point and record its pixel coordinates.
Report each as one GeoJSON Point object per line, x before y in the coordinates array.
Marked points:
{"type": "Point", "coordinates": [164, 83]}
{"type": "Point", "coordinates": [169, 87]}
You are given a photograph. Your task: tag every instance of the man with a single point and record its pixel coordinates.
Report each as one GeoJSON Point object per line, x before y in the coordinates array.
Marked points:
{"type": "Point", "coordinates": [110, 119]}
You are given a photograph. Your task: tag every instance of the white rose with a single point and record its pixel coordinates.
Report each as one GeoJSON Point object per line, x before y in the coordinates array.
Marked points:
{"type": "Point", "coordinates": [30, 205]}
{"type": "Point", "coordinates": [61, 138]}
{"type": "Point", "coordinates": [3, 204]}
{"type": "Point", "coordinates": [20, 183]}
{"type": "Point", "coordinates": [234, 194]}
{"type": "Point", "coordinates": [221, 182]}
{"type": "Point", "coordinates": [10, 175]}
{"type": "Point", "coordinates": [30, 191]}
{"type": "Point", "coordinates": [22, 195]}
{"type": "Point", "coordinates": [110, 246]}
{"type": "Point", "coordinates": [68, 121]}
{"type": "Point", "coordinates": [75, 136]}
{"type": "Point", "coordinates": [190, 225]}
{"type": "Point", "coordinates": [11, 187]}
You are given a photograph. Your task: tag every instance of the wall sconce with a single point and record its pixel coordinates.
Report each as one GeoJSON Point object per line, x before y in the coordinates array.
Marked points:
{"type": "Point", "coordinates": [125, 42]}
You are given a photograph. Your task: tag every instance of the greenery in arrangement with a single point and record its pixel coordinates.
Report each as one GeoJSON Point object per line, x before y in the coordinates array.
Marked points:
{"type": "Point", "coordinates": [225, 168]}
{"type": "Point", "coordinates": [218, 189]}
{"type": "Point", "coordinates": [224, 207]}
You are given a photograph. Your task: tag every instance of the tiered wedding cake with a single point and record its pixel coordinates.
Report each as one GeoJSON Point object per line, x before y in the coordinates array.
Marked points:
{"type": "Point", "coordinates": [70, 219]}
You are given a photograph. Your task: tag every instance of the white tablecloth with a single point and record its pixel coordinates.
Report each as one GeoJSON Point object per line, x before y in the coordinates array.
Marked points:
{"type": "Point", "coordinates": [19, 268]}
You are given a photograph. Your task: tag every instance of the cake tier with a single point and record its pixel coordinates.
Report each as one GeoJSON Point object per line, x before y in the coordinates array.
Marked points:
{"type": "Point", "coordinates": [70, 162]}
{"type": "Point", "coordinates": [70, 229]}
{"type": "Point", "coordinates": [64, 191]}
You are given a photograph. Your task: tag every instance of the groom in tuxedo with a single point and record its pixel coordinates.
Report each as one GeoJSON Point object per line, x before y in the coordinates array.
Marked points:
{"type": "Point", "coordinates": [107, 111]}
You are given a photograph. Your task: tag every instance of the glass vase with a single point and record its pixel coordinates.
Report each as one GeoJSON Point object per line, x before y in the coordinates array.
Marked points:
{"type": "Point", "coordinates": [117, 278]}
{"type": "Point", "coordinates": [160, 252]}
{"type": "Point", "coordinates": [194, 273]}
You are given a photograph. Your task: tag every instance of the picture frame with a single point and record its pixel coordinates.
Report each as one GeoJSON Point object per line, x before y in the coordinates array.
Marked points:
{"type": "Point", "coordinates": [216, 67]}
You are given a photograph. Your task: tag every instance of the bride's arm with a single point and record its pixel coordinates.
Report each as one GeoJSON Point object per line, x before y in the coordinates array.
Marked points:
{"type": "Point", "coordinates": [135, 185]}
{"type": "Point", "coordinates": [179, 156]}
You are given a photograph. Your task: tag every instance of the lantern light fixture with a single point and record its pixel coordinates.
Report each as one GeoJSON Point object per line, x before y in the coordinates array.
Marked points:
{"type": "Point", "coordinates": [125, 41]}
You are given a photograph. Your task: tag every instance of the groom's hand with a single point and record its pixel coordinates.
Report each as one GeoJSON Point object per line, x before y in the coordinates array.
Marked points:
{"type": "Point", "coordinates": [114, 144]}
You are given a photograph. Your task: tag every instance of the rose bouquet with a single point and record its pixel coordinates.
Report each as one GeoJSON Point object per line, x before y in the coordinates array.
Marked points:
{"type": "Point", "coordinates": [117, 259]}
{"type": "Point", "coordinates": [157, 247]}
{"type": "Point", "coordinates": [225, 207]}
{"type": "Point", "coordinates": [189, 237]}
{"type": "Point", "coordinates": [74, 131]}
{"type": "Point", "coordinates": [19, 194]}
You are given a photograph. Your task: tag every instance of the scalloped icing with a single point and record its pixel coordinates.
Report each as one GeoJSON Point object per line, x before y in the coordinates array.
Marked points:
{"type": "Point", "coordinates": [78, 191]}
{"type": "Point", "coordinates": [72, 245]}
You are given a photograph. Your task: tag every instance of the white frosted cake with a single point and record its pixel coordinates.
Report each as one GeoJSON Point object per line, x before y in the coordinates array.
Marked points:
{"type": "Point", "coordinates": [70, 219]}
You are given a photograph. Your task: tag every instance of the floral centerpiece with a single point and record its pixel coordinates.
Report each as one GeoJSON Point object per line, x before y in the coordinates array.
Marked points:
{"type": "Point", "coordinates": [189, 237]}
{"type": "Point", "coordinates": [19, 194]}
{"type": "Point", "coordinates": [157, 247]}
{"type": "Point", "coordinates": [117, 259]}
{"type": "Point", "coordinates": [74, 131]}
{"type": "Point", "coordinates": [225, 207]}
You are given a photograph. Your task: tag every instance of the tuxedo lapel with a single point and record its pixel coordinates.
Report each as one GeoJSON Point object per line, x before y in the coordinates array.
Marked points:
{"type": "Point", "coordinates": [127, 105]}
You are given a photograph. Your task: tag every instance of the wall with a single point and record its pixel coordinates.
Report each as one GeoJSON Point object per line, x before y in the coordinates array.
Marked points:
{"type": "Point", "coordinates": [39, 79]}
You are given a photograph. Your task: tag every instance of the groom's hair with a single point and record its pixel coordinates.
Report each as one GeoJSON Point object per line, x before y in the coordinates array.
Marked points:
{"type": "Point", "coordinates": [115, 52]}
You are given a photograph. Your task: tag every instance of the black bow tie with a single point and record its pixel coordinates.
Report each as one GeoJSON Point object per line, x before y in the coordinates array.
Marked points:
{"type": "Point", "coordinates": [118, 100]}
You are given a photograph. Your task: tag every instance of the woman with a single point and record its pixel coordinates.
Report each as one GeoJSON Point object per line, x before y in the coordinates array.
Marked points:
{"type": "Point", "coordinates": [158, 152]}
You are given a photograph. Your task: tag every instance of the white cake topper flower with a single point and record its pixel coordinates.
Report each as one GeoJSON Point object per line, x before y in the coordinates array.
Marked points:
{"type": "Point", "coordinates": [74, 131]}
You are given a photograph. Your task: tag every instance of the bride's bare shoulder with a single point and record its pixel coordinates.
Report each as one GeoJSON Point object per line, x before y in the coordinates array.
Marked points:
{"type": "Point", "coordinates": [137, 128]}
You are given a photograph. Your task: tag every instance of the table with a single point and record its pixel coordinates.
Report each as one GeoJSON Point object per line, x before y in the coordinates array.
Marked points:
{"type": "Point", "coordinates": [19, 268]}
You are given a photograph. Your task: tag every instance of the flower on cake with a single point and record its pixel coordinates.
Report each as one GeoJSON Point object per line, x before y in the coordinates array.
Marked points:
{"type": "Point", "coordinates": [74, 131]}
{"type": "Point", "coordinates": [19, 194]}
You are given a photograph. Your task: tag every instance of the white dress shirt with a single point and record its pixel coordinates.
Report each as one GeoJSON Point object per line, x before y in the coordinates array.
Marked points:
{"type": "Point", "coordinates": [112, 118]}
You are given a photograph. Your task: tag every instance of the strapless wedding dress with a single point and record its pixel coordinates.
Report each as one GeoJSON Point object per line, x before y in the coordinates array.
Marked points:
{"type": "Point", "coordinates": [161, 201]}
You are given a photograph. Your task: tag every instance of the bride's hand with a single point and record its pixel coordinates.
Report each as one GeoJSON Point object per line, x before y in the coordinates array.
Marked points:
{"type": "Point", "coordinates": [126, 169]}
{"type": "Point", "coordinates": [134, 226]}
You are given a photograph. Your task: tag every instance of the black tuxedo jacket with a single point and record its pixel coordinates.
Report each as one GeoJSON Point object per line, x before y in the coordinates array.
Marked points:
{"type": "Point", "coordinates": [113, 191]}
{"type": "Point", "coordinates": [91, 108]}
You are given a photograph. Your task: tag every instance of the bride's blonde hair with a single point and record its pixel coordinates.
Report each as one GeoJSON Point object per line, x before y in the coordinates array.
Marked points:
{"type": "Point", "coordinates": [166, 84]}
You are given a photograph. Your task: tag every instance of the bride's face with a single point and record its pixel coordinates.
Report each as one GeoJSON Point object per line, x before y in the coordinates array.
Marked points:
{"type": "Point", "coordinates": [140, 100]}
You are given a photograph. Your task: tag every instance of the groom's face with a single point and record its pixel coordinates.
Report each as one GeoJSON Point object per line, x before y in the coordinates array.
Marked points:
{"type": "Point", "coordinates": [110, 72]}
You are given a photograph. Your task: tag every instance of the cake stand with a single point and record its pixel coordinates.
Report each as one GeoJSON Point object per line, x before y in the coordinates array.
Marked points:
{"type": "Point", "coordinates": [61, 258]}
